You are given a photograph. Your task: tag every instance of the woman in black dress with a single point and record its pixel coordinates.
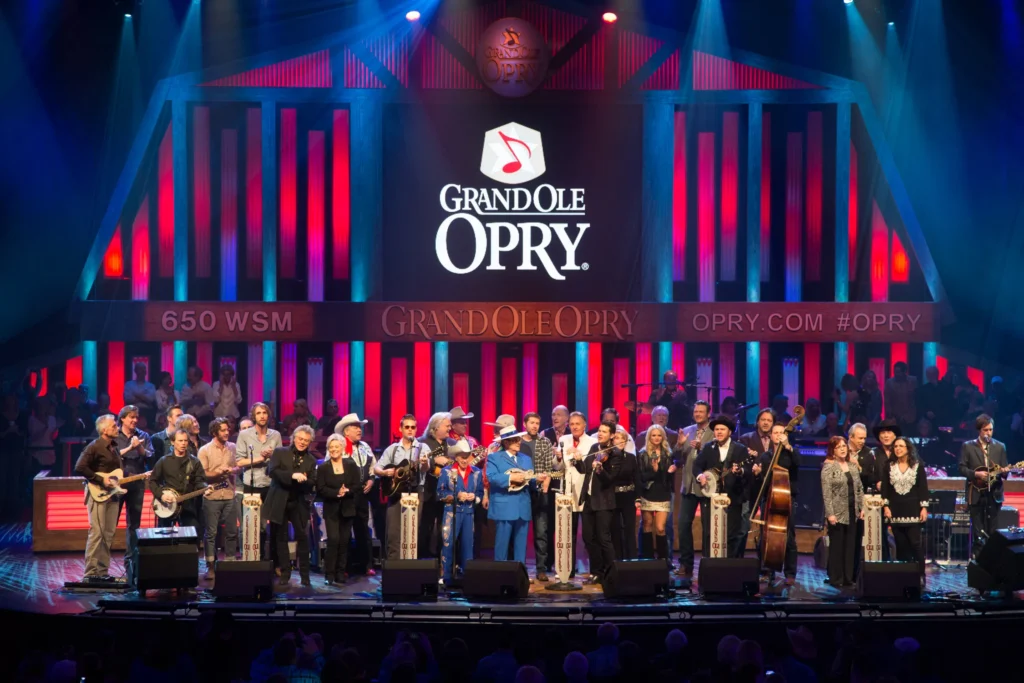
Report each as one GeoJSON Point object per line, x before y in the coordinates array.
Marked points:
{"type": "Point", "coordinates": [905, 490]}
{"type": "Point", "coordinates": [627, 493]}
{"type": "Point", "coordinates": [656, 476]}
{"type": "Point", "coordinates": [336, 486]}
{"type": "Point", "coordinates": [843, 494]}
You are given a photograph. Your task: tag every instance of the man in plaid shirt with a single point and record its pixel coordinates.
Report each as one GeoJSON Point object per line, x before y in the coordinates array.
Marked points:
{"type": "Point", "coordinates": [539, 448]}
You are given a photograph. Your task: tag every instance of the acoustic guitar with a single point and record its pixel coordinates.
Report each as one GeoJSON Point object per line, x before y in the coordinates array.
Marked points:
{"type": "Point", "coordinates": [398, 483]}
{"type": "Point", "coordinates": [101, 494]}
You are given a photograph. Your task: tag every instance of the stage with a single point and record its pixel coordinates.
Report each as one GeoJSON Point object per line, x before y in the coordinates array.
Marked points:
{"type": "Point", "coordinates": [34, 583]}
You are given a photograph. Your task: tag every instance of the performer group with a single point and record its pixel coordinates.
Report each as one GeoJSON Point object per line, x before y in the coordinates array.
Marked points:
{"type": "Point", "coordinates": [509, 481]}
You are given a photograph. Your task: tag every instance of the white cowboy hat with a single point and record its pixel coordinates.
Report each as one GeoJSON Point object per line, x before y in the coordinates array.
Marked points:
{"type": "Point", "coordinates": [348, 421]}
{"type": "Point", "coordinates": [460, 446]}
{"type": "Point", "coordinates": [509, 433]}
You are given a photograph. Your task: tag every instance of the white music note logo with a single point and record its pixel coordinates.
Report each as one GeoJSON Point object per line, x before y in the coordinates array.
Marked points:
{"type": "Point", "coordinates": [513, 154]}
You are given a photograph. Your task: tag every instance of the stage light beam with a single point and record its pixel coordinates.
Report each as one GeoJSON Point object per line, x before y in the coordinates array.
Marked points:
{"type": "Point", "coordinates": [412, 15]}
{"type": "Point", "coordinates": [847, 2]}
{"type": "Point", "coordinates": [610, 17]}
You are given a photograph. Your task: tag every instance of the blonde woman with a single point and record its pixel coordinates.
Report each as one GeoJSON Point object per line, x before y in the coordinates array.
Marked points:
{"type": "Point", "coordinates": [843, 495]}
{"type": "Point", "coordinates": [656, 476]}
{"type": "Point", "coordinates": [336, 486]}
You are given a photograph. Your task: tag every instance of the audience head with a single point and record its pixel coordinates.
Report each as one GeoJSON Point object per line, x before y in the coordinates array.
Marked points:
{"type": "Point", "coordinates": [659, 416]}
{"type": "Point", "coordinates": [575, 667]}
{"type": "Point", "coordinates": [675, 641]}
{"type": "Point", "coordinates": [245, 423]}
{"type": "Point", "coordinates": [607, 633]}
{"type": "Point", "coordinates": [728, 647]}
{"type": "Point", "coordinates": [529, 674]}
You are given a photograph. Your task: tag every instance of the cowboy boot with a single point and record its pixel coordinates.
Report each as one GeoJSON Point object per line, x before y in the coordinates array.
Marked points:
{"type": "Point", "coordinates": [661, 545]}
{"type": "Point", "coordinates": [646, 546]}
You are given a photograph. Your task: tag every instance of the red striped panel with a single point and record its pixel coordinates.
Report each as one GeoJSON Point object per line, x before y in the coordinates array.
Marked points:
{"type": "Point", "coordinates": [460, 391]}
{"type": "Point", "coordinates": [308, 71]}
{"type": "Point", "coordinates": [315, 214]}
{"type": "Point", "coordinates": [976, 376]}
{"type": "Point", "coordinates": [620, 394]}
{"type": "Point", "coordinates": [530, 352]}
{"type": "Point", "coordinates": [65, 512]}
{"type": "Point", "coordinates": [813, 198]}
{"type": "Point", "coordinates": [423, 385]}
{"type": "Point", "coordinates": [766, 196]}
{"type": "Point", "coordinates": [900, 260]}
{"type": "Point", "coordinates": [372, 390]}
{"type": "Point", "coordinates": [585, 69]}
{"type": "Point", "coordinates": [730, 193]}
{"type": "Point", "coordinates": [898, 352]}
{"type": "Point", "coordinates": [167, 357]}
{"type": "Point", "coordinates": [201, 189]}
{"type": "Point", "coordinates": [399, 384]}
{"type": "Point", "coordinates": [341, 226]}
{"type": "Point", "coordinates": [679, 215]}
{"type": "Point", "coordinates": [253, 194]}
{"type": "Point", "coordinates": [879, 255]}
{"type": "Point", "coordinates": [289, 192]}
{"type": "Point", "coordinates": [644, 365]}
{"type": "Point", "coordinates": [634, 51]}
{"type": "Point", "coordinates": [666, 76]}
{"type": "Point", "coordinates": [229, 213]}
{"type": "Point", "coordinates": [706, 215]}
{"type": "Point", "coordinates": [812, 371]}
{"type": "Point", "coordinates": [467, 25]}
{"type": "Point", "coordinates": [113, 259]}
{"type": "Point", "coordinates": [165, 205]}
{"type": "Point", "coordinates": [439, 69]}
{"type": "Point", "coordinates": [509, 386]}
{"type": "Point", "coordinates": [560, 389]}
{"type": "Point", "coordinates": [595, 383]}
{"type": "Point", "coordinates": [851, 359]}
{"type": "Point", "coordinates": [715, 73]}
{"type": "Point", "coordinates": [764, 395]}
{"type": "Point", "coordinates": [44, 384]}
{"type": "Point", "coordinates": [204, 361]}
{"type": "Point", "coordinates": [726, 370]}
{"type": "Point", "coordinates": [342, 373]}
{"type": "Point", "coordinates": [289, 376]}
{"type": "Point", "coordinates": [853, 212]}
{"type": "Point", "coordinates": [393, 53]}
{"type": "Point", "coordinates": [679, 360]}
{"type": "Point", "coordinates": [140, 253]}
{"type": "Point", "coordinates": [488, 382]}
{"type": "Point", "coordinates": [115, 379]}
{"type": "Point", "coordinates": [794, 215]}
{"type": "Point", "coordinates": [73, 372]}
{"type": "Point", "coordinates": [357, 74]}
{"type": "Point", "coordinates": [942, 363]}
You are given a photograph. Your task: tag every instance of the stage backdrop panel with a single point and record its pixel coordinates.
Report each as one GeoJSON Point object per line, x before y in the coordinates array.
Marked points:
{"type": "Point", "coordinates": [511, 202]}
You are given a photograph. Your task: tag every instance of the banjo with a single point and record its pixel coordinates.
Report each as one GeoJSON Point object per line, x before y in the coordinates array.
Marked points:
{"type": "Point", "coordinates": [165, 510]}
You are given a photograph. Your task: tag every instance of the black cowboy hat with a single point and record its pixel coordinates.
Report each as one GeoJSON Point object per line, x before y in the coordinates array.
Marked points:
{"type": "Point", "coordinates": [723, 420]}
{"type": "Point", "coordinates": [888, 426]}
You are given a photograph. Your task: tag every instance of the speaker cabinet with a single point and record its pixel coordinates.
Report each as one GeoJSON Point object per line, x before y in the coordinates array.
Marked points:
{"type": "Point", "coordinates": [493, 580]}
{"type": "Point", "coordinates": [168, 557]}
{"type": "Point", "coordinates": [637, 579]}
{"type": "Point", "coordinates": [729, 577]}
{"type": "Point", "coordinates": [1002, 557]}
{"type": "Point", "coordinates": [244, 581]}
{"type": "Point", "coordinates": [889, 581]}
{"type": "Point", "coordinates": [409, 580]}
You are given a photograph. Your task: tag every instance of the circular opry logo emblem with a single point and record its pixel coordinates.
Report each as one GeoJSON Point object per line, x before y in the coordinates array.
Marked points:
{"type": "Point", "coordinates": [512, 57]}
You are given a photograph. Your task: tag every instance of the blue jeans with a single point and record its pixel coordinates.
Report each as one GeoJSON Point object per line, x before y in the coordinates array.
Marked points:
{"type": "Point", "coordinates": [542, 513]}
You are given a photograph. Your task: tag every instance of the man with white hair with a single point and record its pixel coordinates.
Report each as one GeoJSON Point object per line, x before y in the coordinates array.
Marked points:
{"type": "Point", "coordinates": [98, 460]}
{"type": "Point", "coordinates": [435, 438]}
{"type": "Point", "coordinates": [292, 473]}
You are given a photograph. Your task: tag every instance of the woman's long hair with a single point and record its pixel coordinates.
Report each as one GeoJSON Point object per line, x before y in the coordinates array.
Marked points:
{"type": "Point", "coordinates": [664, 450]}
{"type": "Point", "coordinates": [911, 451]}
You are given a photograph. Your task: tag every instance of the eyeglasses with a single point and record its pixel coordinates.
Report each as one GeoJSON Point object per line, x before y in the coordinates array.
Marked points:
{"type": "Point", "coordinates": [408, 426]}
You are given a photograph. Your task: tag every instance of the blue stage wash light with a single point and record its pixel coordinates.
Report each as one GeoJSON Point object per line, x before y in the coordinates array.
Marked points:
{"type": "Point", "coordinates": [412, 15]}
{"type": "Point", "coordinates": [127, 16]}
{"type": "Point", "coordinates": [848, 2]}
{"type": "Point", "coordinates": [892, 23]}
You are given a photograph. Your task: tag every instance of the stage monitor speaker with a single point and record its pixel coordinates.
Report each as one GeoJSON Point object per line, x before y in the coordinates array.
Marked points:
{"type": "Point", "coordinates": [1002, 557]}
{"type": "Point", "coordinates": [1009, 518]}
{"type": "Point", "coordinates": [727, 577]}
{"type": "Point", "coordinates": [168, 557]}
{"type": "Point", "coordinates": [409, 580]}
{"type": "Point", "coordinates": [252, 580]}
{"type": "Point", "coordinates": [637, 579]}
{"type": "Point", "coordinates": [889, 581]}
{"type": "Point", "coordinates": [494, 580]}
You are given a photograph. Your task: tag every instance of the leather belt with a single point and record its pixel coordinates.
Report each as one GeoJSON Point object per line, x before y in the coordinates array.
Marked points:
{"type": "Point", "coordinates": [624, 489]}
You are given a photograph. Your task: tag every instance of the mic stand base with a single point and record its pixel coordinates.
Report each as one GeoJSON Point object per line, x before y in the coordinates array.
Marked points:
{"type": "Point", "coordinates": [564, 587]}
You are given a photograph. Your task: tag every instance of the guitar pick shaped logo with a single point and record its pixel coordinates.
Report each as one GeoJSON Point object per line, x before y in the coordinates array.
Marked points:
{"type": "Point", "coordinates": [513, 154]}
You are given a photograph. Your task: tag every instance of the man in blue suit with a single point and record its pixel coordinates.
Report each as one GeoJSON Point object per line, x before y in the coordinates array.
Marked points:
{"type": "Point", "coordinates": [460, 487]}
{"type": "Point", "coordinates": [510, 510]}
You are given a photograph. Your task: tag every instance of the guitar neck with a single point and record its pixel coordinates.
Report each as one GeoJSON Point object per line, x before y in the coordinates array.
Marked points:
{"type": "Point", "coordinates": [194, 494]}
{"type": "Point", "coordinates": [134, 477]}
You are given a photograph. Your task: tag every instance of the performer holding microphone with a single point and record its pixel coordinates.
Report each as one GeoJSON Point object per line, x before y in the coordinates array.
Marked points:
{"type": "Point", "coordinates": [725, 458]}
{"type": "Point", "coordinates": [573, 447]}
{"type": "Point", "coordinates": [460, 487]}
{"type": "Point", "coordinates": [597, 497]}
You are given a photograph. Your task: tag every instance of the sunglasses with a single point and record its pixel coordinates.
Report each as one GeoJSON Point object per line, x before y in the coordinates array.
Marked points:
{"type": "Point", "coordinates": [408, 426]}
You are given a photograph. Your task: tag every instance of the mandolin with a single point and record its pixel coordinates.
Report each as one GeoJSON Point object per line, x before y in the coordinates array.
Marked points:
{"type": "Point", "coordinates": [529, 475]}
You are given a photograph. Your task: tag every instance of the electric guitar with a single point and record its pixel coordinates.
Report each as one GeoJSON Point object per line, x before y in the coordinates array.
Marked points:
{"type": "Point", "coordinates": [101, 494]}
{"type": "Point", "coordinates": [165, 510]}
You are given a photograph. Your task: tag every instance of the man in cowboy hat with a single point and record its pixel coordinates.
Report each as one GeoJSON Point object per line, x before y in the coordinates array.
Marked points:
{"type": "Point", "coordinates": [351, 428]}
{"type": "Point", "coordinates": [460, 427]}
{"type": "Point", "coordinates": [874, 462]}
{"type": "Point", "coordinates": [510, 510]}
{"type": "Point", "coordinates": [726, 457]}
{"type": "Point", "coordinates": [460, 487]}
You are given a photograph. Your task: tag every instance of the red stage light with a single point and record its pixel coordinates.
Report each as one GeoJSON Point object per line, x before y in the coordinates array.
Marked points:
{"type": "Point", "coordinates": [610, 17]}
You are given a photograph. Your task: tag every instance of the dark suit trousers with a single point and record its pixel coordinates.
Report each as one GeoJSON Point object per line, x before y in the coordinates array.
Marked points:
{"type": "Point", "coordinates": [597, 537]}
{"type": "Point", "coordinates": [296, 512]}
{"type": "Point", "coordinates": [339, 531]}
{"type": "Point", "coordinates": [624, 526]}
{"type": "Point", "coordinates": [687, 513]}
{"type": "Point", "coordinates": [430, 519]}
{"type": "Point", "coordinates": [908, 543]}
{"type": "Point", "coordinates": [361, 525]}
{"type": "Point", "coordinates": [984, 519]}
{"type": "Point", "coordinates": [842, 551]}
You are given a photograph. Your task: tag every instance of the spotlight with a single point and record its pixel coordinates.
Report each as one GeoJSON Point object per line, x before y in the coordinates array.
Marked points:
{"type": "Point", "coordinates": [610, 17]}
{"type": "Point", "coordinates": [412, 15]}
{"type": "Point", "coordinates": [127, 16]}
{"type": "Point", "coordinates": [892, 23]}
{"type": "Point", "coordinates": [847, 2]}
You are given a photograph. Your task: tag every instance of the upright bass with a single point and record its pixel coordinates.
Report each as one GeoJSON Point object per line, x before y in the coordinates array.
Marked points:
{"type": "Point", "coordinates": [775, 503]}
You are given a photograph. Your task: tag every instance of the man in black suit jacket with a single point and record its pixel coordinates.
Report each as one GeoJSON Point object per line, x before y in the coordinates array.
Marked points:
{"type": "Point", "coordinates": [984, 490]}
{"type": "Point", "coordinates": [758, 442]}
{"type": "Point", "coordinates": [292, 473]}
{"type": "Point", "coordinates": [597, 496]}
{"type": "Point", "coordinates": [728, 457]}
{"type": "Point", "coordinates": [789, 460]}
